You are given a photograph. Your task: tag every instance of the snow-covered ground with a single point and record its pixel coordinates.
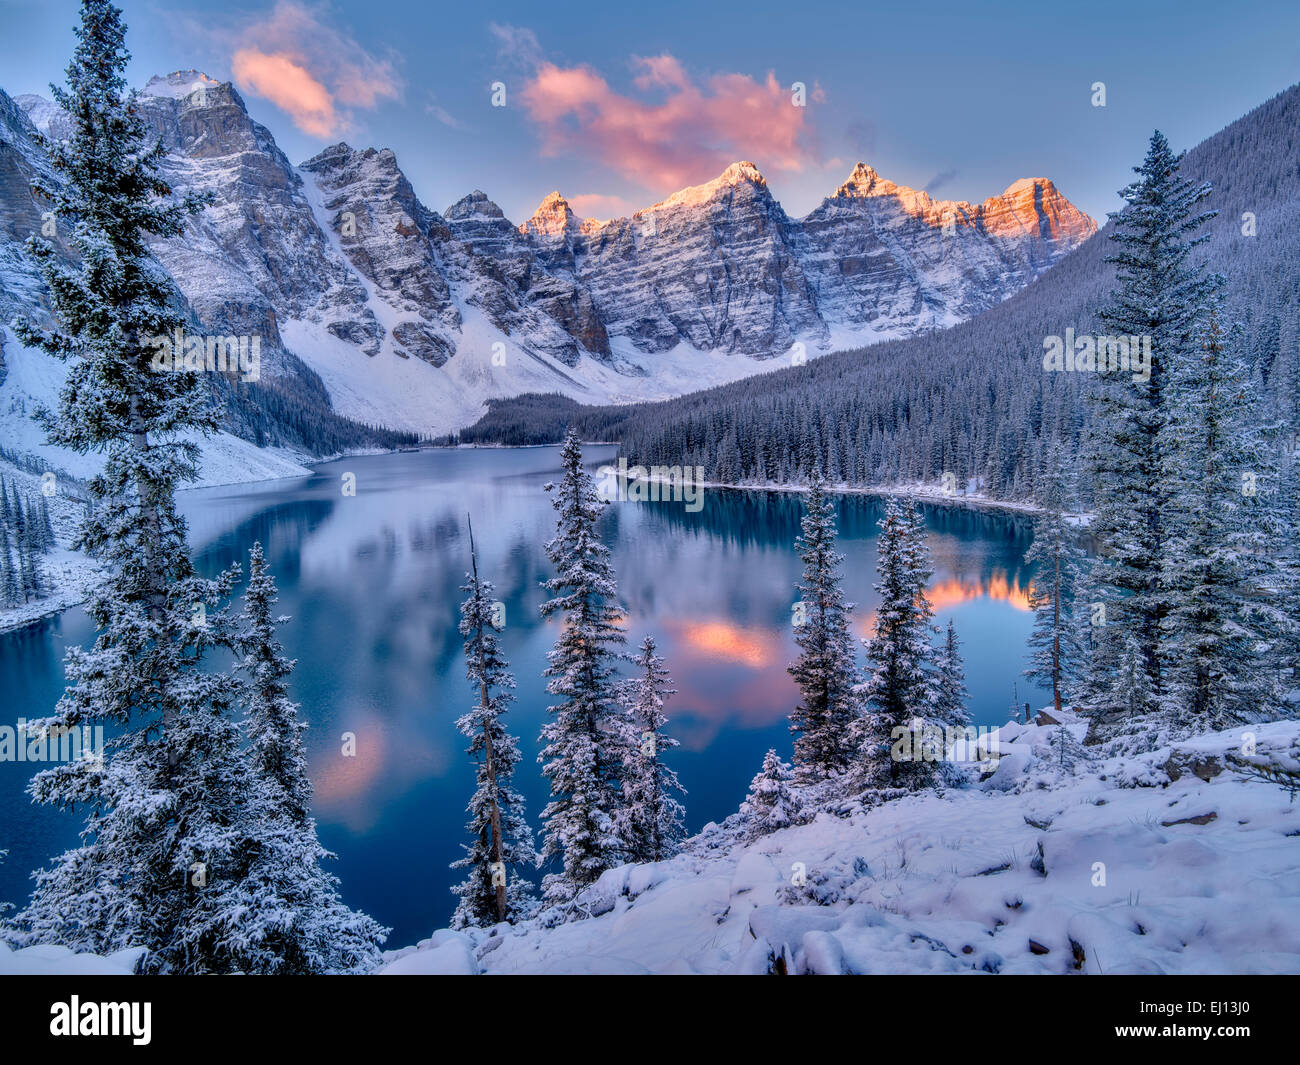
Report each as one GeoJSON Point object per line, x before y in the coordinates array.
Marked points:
{"type": "Point", "coordinates": [60, 961]}
{"type": "Point", "coordinates": [1163, 862]}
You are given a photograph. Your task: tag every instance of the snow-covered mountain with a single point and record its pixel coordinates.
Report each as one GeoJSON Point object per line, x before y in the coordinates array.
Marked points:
{"type": "Point", "coordinates": [224, 302]}
{"type": "Point", "coordinates": [412, 319]}
{"type": "Point", "coordinates": [722, 266]}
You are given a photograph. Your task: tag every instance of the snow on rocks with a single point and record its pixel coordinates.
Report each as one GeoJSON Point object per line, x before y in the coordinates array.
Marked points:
{"type": "Point", "coordinates": [445, 953]}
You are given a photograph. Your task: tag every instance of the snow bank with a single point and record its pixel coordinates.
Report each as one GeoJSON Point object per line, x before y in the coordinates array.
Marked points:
{"type": "Point", "coordinates": [1129, 865]}
{"type": "Point", "coordinates": [1165, 862]}
{"type": "Point", "coordinates": [60, 961]}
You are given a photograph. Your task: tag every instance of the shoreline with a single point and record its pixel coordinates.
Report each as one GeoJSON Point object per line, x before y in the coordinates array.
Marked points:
{"type": "Point", "coordinates": [82, 567]}
{"type": "Point", "coordinates": [919, 492]}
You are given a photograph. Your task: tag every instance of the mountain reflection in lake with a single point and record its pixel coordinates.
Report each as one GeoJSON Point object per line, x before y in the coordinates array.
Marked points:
{"type": "Point", "coordinates": [372, 584]}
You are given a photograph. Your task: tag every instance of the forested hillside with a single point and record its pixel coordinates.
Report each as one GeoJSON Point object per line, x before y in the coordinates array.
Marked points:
{"type": "Point", "coordinates": [974, 400]}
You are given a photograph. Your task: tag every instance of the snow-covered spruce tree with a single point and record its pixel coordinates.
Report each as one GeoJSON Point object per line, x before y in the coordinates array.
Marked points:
{"type": "Point", "coordinates": [652, 817]}
{"type": "Point", "coordinates": [825, 672]}
{"type": "Point", "coordinates": [502, 843]}
{"type": "Point", "coordinates": [770, 803]}
{"type": "Point", "coordinates": [950, 699]}
{"type": "Point", "coordinates": [1067, 752]}
{"type": "Point", "coordinates": [1226, 588]}
{"type": "Point", "coordinates": [1161, 295]}
{"type": "Point", "coordinates": [48, 539]}
{"type": "Point", "coordinates": [894, 749]}
{"type": "Point", "coordinates": [1287, 642]}
{"type": "Point", "coordinates": [8, 576]}
{"type": "Point", "coordinates": [274, 731]}
{"type": "Point", "coordinates": [5, 907]}
{"type": "Point", "coordinates": [582, 757]}
{"type": "Point", "coordinates": [156, 815]}
{"type": "Point", "coordinates": [1055, 654]}
{"type": "Point", "coordinates": [283, 913]}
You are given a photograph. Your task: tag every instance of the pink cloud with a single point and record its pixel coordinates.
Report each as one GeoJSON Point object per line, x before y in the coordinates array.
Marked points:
{"type": "Point", "coordinates": [289, 87]}
{"type": "Point", "coordinates": [296, 59]}
{"type": "Point", "coordinates": [685, 133]}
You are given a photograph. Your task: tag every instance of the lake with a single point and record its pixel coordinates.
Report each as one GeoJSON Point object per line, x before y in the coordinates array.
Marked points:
{"type": "Point", "coordinates": [371, 582]}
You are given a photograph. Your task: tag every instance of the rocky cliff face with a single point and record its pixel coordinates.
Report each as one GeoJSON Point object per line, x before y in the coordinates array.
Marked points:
{"type": "Point", "coordinates": [896, 261]}
{"type": "Point", "coordinates": [717, 266]}
{"type": "Point", "coordinates": [257, 255]}
{"type": "Point", "coordinates": [340, 255]}
{"type": "Point", "coordinates": [531, 296]}
{"type": "Point", "coordinates": [721, 265]}
{"type": "Point", "coordinates": [391, 240]}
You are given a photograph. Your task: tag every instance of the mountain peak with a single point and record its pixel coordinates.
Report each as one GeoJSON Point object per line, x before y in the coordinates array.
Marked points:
{"type": "Point", "coordinates": [741, 172]}
{"type": "Point", "coordinates": [1028, 206]}
{"type": "Point", "coordinates": [476, 204]}
{"type": "Point", "coordinates": [179, 84]}
{"type": "Point", "coordinates": [866, 181]}
{"type": "Point", "coordinates": [1036, 205]}
{"type": "Point", "coordinates": [331, 156]}
{"type": "Point", "coordinates": [553, 218]}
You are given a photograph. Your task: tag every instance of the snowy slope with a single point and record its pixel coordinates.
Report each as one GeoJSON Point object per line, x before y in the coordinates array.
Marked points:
{"type": "Point", "coordinates": [1168, 861]}
{"type": "Point", "coordinates": [1200, 876]}
{"type": "Point", "coordinates": [34, 378]}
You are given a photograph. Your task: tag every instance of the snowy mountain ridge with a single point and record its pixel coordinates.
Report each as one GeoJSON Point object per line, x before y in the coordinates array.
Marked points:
{"type": "Point", "coordinates": [413, 319]}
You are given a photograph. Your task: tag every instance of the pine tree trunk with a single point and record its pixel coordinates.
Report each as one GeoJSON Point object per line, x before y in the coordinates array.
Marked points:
{"type": "Point", "coordinates": [490, 768]}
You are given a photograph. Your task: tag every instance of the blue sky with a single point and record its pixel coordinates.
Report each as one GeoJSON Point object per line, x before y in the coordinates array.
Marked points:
{"type": "Point", "coordinates": [618, 105]}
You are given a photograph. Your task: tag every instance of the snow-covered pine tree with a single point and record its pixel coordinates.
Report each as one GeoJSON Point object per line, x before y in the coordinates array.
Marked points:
{"type": "Point", "coordinates": [583, 740]}
{"type": "Point", "coordinates": [1286, 665]}
{"type": "Point", "coordinates": [34, 549]}
{"type": "Point", "coordinates": [1055, 654]}
{"type": "Point", "coordinates": [770, 804]}
{"type": "Point", "coordinates": [1226, 588]}
{"type": "Point", "coordinates": [48, 539]}
{"type": "Point", "coordinates": [274, 730]}
{"type": "Point", "coordinates": [278, 911]}
{"type": "Point", "coordinates": [502, 843]}
{"type": "Point", "coordinates": [1067, 752]}
{"type": "Point", "coordinates": [156, 809]}
{"type": "Point", "coordinates": [5, 907]}
{"type": "Point", "coordinates": [653, 818]}
{"type": "Point", "coordinates": [896, 694]}
{"type": "Point", "coordinates": [1134, 682]}
{"type": "Point", "coordinates": [9, 594]}
{"type": "Point", "coordinates": [949, 706]}
{"type": "Point", "coordinates": [1161, 295]}
{"type": "Point", "coordinates": [825, 672]}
